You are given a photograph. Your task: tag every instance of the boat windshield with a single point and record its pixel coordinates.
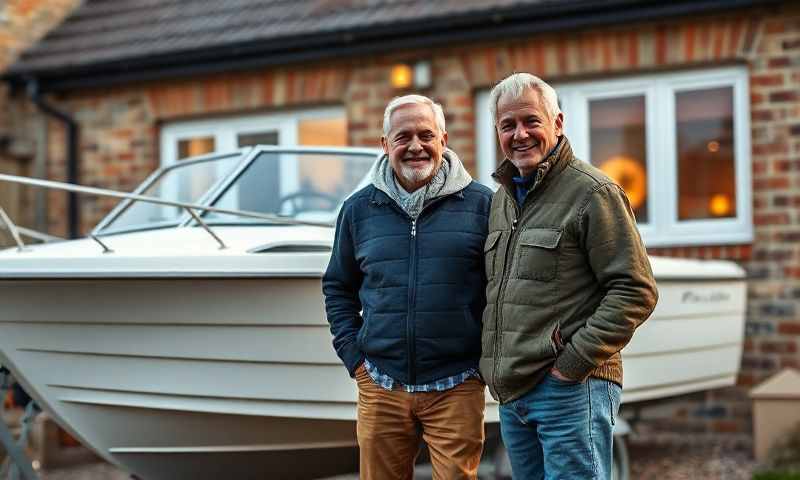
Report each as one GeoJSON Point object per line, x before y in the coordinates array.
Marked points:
{"type": "Point", "coordinates": [188, 181]}
{"type": "Point", "coordinates": [307, 185]}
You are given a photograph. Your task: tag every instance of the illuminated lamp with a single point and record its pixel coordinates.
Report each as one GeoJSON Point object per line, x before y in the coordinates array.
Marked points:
{"type": "Point", "coordinates": [404, 75]}
{"type": "Point", "coordinates": [401, 75]}
{"type": "Point", "coordinates": [720, 205]}
{"type": "Point", "coordinates": [630, 175]}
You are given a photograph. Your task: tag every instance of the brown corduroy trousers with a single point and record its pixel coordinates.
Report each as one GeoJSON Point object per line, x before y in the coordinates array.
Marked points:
{"type": "Point", "coordinates": [391, 424]}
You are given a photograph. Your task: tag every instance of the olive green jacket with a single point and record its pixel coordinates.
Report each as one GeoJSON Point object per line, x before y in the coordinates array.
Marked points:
{"type": "Point", "coordinates": [569, 278]}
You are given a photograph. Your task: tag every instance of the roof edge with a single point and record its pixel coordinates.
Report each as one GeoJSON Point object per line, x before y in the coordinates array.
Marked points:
{"type": "Point", "coordinates": [473, 27]}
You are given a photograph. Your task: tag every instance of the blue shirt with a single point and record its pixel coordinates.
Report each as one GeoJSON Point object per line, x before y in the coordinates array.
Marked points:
{"type": "Point", "coordinates": [387, 383]}
{"type": "Point", "coordinates": [525, 184]}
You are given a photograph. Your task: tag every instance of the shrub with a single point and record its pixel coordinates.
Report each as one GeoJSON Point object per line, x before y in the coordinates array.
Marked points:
{"type": "Point", "coordinates": [776, 476]}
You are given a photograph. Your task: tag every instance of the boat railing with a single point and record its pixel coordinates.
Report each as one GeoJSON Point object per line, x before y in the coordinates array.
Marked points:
{"type": "Point", "coordinates": [191, 208]}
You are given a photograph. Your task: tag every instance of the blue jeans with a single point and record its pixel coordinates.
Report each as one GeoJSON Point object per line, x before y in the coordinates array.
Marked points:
{"type": "Point", "coordinates": [562, 430]}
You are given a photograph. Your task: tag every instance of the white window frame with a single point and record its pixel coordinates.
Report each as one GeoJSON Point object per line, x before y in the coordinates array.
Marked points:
{"type": "Point", "coordinates": [226, 130]}
{"type": "Point", "coordinates": [663, 227]}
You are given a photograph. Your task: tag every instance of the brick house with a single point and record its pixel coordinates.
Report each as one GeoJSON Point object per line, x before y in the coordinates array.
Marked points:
{"type": "Point", "coordinates": [22, 23]}
{"type": "Point", "coordinates": [693, 106]}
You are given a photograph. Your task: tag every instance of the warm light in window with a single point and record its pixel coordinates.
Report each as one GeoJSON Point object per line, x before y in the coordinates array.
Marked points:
{"type": "Point", "coordinates": [630, 175]}
{"type": "Point", "coordinates": [401, 76]}
{"type": "Point", "coordinates": [192, 147]}
{"type": "Point", "coordinates": [618, 140]}
{"type": "Point", "coordinates": [713, 146]}
{"type": "Point", "coordinates": [720, 205]}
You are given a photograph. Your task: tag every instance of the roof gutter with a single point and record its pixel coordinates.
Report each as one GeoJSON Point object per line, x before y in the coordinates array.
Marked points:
{"type": "Point", "coordinates": [490, 25]}
{"type": "Point", "coordinates": [73, 213]}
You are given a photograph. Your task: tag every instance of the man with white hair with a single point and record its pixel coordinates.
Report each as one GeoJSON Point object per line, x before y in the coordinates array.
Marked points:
{"type": "Point", "coordinates": [404, 294]}
{"type": "Point", "coordinates": [569, 281]}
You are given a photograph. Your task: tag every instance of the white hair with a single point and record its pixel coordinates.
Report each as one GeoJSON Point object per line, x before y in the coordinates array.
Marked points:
{"type": "Point", "coordinates": [515, 85]}
{"type": "Point", "coordinates": [398, 102]}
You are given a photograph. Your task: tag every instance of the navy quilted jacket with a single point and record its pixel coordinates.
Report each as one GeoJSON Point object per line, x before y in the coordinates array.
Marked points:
{"type": "Point", "coordinates": [409, 294]}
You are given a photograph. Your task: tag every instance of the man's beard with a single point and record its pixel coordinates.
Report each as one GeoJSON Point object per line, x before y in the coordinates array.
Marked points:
{"type": "Point", "coordinates": [417, 175]}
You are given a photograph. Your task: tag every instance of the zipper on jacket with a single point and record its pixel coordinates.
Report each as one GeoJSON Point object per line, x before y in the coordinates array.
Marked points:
{"type": "Point", "coordinates": [412, 287]}
{"type": "Point", "coordinates": [412, 294]}
{"type": "Point", "coordinates": [412, 299]}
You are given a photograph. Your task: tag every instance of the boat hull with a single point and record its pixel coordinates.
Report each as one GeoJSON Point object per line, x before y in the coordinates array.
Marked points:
{"type": "Point", "coordinates": [234, 377]}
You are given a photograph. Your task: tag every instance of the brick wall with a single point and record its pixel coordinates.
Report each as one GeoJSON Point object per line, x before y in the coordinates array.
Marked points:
{"type": "Point", "coordinates": [22, 23]}
{"type": "Point", "coordinates": [773, 260]}
{"type": "Point", "coordinates": [120, 135]}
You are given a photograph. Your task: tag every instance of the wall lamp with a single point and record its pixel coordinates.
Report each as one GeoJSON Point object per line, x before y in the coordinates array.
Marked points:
{"type": "Point", "coordinates": [406, 75]}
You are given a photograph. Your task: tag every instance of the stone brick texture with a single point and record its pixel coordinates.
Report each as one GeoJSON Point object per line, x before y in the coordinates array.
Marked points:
{"type": "Point", "coordinates": [22, 23]}
{"type": "Point", "coordinates": [120, 130]}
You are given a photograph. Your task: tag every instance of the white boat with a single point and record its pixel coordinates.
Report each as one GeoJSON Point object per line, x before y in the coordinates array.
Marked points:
{"type": "Point", "coordinates": [174, 358]}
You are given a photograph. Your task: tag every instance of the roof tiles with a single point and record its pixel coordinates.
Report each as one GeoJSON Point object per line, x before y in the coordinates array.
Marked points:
{"type": "Point", "coordinates": [103, 31]}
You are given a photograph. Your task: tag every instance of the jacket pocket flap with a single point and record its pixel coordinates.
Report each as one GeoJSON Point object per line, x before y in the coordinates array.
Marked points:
{"type": "Point", "coordinates": [540, 237]}
{"type": "Point", "coordinates": [491, 240]}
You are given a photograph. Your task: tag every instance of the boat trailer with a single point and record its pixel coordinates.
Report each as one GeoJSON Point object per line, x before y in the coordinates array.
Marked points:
{"type": "Point", "coordinates": [17, 461]}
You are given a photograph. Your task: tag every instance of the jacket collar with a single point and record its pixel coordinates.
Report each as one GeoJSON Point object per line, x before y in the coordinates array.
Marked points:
{"type": "Point", "coordinates": [553, 164]}
{"type": "Point", "coordinates": [379, 197]}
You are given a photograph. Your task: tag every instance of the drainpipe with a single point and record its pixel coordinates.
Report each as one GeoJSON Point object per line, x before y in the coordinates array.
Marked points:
{"type": "Point", "coordinates": [73, 214]}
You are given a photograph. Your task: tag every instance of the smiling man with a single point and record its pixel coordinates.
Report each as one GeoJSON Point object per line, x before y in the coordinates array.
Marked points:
{"type": "Point", "coordinates": [568, 283]}
{"type": "Point", "coordinates": [404, 293]}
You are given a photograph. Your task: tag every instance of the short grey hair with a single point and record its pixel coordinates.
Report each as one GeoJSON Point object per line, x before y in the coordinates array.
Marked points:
{"type": "Point", "coordinates": [515, 85]}
{"type": "Point", "coordinates": [398, 102]}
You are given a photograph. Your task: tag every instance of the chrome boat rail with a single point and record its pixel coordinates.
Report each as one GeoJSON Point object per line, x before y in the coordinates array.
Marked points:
{"type": "Point", "coordinates": [11, 227]}
{"type": "Point", "coordinates": [16, 231]}
{"type": "Point", "coordinates": [191, 208]}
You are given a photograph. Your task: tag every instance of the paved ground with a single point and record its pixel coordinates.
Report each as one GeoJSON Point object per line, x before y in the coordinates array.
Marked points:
{"type": "Point", "coordinates": [100, 471]}
{"type": "Point", "coordinates": [690, 462]}
{"type": "Point", "coordinates": [648, 461]}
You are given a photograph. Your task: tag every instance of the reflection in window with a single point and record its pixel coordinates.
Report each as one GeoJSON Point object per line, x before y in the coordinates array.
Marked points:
{"type": "Point", "coordinates": [617, 139]}
{"type": "Point", "coordinates": [319, 176]}
{"type": "Point", "coordinates": [269, 172]}
{"type": "Point", "coordinates": [295, 196]}
{"type": "Point", "coordinates": [323, 132]}
{"type": "Point", "coordinates": [192, 147]}
{"type": "Point", "coordinates": [706, 173]}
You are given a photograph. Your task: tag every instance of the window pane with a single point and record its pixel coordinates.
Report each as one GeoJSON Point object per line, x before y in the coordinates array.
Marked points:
{"type": "Point", "coordinates": [323, 132]}
{"type": "Point", "coordinates": [617, 139]}
{"type": "Point", "coordinates": [706, 173]}
{"type": "Point", "coordinates": [295, 196]}
{"type": "Point", "coordinates": [326, 177]}
{"type": "Point", "coordinates": [271, 172]}
{"type": "Point", "coordinates": [258, 138]}
{"type": "Point", "coordinates": [187, 182]}
{"type": "Point", "coordinates": [192, 147]}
